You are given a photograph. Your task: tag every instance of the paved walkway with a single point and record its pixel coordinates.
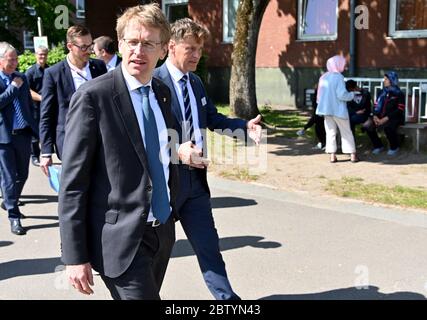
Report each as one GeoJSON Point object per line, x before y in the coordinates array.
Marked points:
{"type": "Point", "coordinates": [277, 245]}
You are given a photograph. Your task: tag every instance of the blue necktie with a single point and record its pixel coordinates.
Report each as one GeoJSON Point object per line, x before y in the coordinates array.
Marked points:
{"type": "Point", "coordinates": [188, 134]}
{"type": "Point", "coordinates": [159, 201]}
{"type": "Point", "coordinates": [18, 119]}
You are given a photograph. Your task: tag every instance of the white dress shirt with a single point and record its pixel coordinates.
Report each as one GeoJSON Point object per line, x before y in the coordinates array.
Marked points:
{"type": "Point", "coordinates": [133, 85]}
{"type": "Point", "coordinates": [176, 75]}
{"type": "Point", "coordinates": [111, 65]}
{"type": "Point", "coordinates": [80, 76]}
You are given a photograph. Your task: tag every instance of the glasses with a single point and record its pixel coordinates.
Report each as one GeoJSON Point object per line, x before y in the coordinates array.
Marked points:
{"type": "Point", "coordinates": [148, 46]}
{"type": "Point", "coordinates": [84, 48]}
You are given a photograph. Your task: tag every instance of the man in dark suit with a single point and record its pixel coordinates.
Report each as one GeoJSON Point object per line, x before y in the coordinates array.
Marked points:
{"type": "Point", "coordinates": [194, 112]}
{"type": "Point", "coordinates": [59, 84]}
{"type": "Point", "coordinates": [116, 202]}
{"type": "Point", "coordinates": [17, 125]}
{"type": "Point", "coordinates": [35, 79]}
{"type": "Point", "coordinates": [105, 50]}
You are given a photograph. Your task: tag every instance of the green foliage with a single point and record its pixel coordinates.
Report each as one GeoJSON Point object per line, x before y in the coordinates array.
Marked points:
{"type": "Point", "coordinates": [19, 18]}
{"type": "Point", "coordinates": [351, 187]}
{"type": "Point", "coordinates": [27, 59]}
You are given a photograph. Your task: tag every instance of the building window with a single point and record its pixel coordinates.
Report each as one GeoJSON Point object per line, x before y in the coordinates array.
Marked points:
{"type": "Point", "coordinates": [408, 18]}
{"type": "Point", "coordinates": [80, 9]}
{"type": "Point", "coordinates": [28, 40]}
{"type": "Point", "coordinates": [317, 19]}
{"type": "Point", "coordinates": [229, 13]}
{"type": "Point", "coordinates": [175, 9]}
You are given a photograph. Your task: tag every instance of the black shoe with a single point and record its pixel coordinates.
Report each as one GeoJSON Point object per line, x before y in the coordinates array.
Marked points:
{"type": "Point", "coordinates": [35, 161]}
{"type": "Point", "coordinates": [16, 228]}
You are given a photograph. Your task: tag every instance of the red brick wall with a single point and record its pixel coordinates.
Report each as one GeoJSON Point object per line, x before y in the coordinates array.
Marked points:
{"type": "Point", "coordinates": [278, 45]}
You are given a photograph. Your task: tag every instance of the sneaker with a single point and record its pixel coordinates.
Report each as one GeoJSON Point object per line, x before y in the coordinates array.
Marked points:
{"type": "Point", "coordinates": [301, 132]}
{"type": "Point", "coordinates": [318, 146]}
{"type": "Point", "coordinates": [392, 152]}
{"type": "Point", "coordinates": [377, 150]}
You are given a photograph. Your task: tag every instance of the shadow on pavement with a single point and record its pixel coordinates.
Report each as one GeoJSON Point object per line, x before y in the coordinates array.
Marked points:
{"type": "Point", "coordinates": [18, 268]}
{"type": "Point", "coordinates": [41, 226]}
{"type": "Point", "coordinates": [370, 293]}
{"type": "Point", "coordinates": [229, 202]}
{"type": "Point", "coordinates": [37, 199]}
{"type": "Point", "coordinates": [183, 248]}
{"type": "Point", "coordinates": [42, 217]}
{"type": "Point", "coordinates": [5, 243]}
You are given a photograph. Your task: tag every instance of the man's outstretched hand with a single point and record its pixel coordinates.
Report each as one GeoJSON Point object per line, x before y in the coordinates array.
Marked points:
{"type": "Point", "coordinates": [254, 129]}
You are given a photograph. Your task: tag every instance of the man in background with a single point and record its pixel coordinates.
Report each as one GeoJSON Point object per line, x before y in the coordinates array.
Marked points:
{"type": "Point", "coordinates": [59, 84]}
{"type": "Point", "coordinates": [35, 79]}
{"type": "Point", "coordinates": [105, 50]}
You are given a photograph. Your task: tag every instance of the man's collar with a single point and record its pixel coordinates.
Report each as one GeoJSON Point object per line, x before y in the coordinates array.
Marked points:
{"type": "Point", "coordinates": [112, 62]}
{"type": "Point", "coordinates": [72, 66]}
{"type": "Point", "coordinates": [132, 82]}
{"type": "Point", "coordinates": [175, 73]}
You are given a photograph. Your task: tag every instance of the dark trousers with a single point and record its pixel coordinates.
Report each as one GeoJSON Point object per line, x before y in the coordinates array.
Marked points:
{"type": "Point", "coordinates": [319, 127]}
{"type": "Point", "coordinates": [194, 208]}
{"type": "Point", "coordinates": [390, 130]}
{"type": "Point", "coordinates": [144, 277]}
{"type": "Point", "coordinates": [14, 162]}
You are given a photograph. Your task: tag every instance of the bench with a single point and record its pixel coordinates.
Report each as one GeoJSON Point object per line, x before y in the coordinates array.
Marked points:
{"type": "Point", "coordinates": [418, 128]}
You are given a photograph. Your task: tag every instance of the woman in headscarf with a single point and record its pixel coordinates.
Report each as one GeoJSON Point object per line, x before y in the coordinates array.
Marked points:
{"type": "Point", "coordinates": [389, 114]}
{"type": "Point", "coordinates": [331, 98]}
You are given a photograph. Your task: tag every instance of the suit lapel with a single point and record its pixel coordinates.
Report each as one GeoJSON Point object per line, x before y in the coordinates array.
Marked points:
{"type": "Point", "coordinates": [176, 107]}
{"type": "Point", "coordinates": [124, 107]}
{"type": "Point", "coordinates": [68, 77]}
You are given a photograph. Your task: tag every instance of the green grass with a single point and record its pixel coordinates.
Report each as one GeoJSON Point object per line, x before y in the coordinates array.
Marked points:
{"type": "Point", "coordinates": [350, 187]}
{"type": "Point", "coordinates": [241, 174]}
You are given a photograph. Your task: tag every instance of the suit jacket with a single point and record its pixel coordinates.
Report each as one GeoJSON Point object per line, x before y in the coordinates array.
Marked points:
{"type": "Point", "coordinates": [7, 110]}
{"type": "Point", "coordinates": [207, 112]}
{"type": "Point", "coordinates": [58, 88]}
{"type": "Point", "coordinates": [105, 192]}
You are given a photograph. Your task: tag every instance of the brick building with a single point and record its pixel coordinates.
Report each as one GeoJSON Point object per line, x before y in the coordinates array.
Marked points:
{"type": "Point", "coordinates": [296, 39]}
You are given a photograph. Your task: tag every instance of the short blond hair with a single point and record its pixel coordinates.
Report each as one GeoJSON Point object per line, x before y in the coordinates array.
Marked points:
{"type": "Point", "coordinates": [149, 15]}
{"type": "Point", "coordinates": [76, 31]}
{"type": "Point", "coordinates": [186, 27]}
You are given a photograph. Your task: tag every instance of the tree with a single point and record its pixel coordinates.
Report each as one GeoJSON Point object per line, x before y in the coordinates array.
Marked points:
{"type": "Point", "coordinates": [243, 100]}
{"type": "Point", "coordinates": [15, 17]}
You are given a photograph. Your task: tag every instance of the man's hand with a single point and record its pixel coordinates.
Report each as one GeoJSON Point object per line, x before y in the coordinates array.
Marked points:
{"type": "Point", "coordinates": [254, 129]}
{"type": "Point", "coordinates": [44, 164]}
{"type": "Point", "coordinates": [80, 277]}
{"type": "Point", "coordinates": [189, 154]}
{"type": "Point", "coordinates": [17, 82]}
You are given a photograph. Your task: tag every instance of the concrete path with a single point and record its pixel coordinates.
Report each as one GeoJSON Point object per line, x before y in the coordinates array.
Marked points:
{"type": "Point", "coordinates": [277, 245]}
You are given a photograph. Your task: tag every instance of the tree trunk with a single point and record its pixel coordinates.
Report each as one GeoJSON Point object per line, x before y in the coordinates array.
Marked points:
{"type": "Point", "coordinates": [243, 101]}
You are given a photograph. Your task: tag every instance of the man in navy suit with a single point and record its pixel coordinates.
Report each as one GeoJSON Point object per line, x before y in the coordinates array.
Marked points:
{"type": "Point", "coordinates": [194, 112]}
{"type": "Point", "coordinates": [105, 50]}
{"type": "Point", "coordinates": [17, 125]}
{"type": "Point", "coordinates": [59, 84]}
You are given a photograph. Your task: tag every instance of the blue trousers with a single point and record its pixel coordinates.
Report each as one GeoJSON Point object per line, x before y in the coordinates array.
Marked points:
{"type": "Point", "coordinates": [194, 208]}
{"type": "Point", "coordinates": [14, 163]}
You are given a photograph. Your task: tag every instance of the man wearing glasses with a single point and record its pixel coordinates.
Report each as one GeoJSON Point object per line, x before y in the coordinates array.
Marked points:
{"type": "Point", "coordinates": [59, 84]}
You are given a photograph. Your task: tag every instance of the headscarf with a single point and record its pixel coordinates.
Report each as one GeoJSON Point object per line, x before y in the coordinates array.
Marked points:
{"type": "Point", "coordinates": [334, 64]}
{"type": "Point", "coordinates": [393, 89]}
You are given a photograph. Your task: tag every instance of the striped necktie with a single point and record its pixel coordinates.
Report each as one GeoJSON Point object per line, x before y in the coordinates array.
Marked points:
{"type": "Point", "coordinates": [189, 130]}
{"type": "Point", "coordinates": [18, 118]}
{"type": "Point", "coordinates": [160, 200]}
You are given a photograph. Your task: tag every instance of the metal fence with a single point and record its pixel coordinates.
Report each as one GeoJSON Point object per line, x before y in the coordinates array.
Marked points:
{"type": "Point", "coordinates": [415, 91]}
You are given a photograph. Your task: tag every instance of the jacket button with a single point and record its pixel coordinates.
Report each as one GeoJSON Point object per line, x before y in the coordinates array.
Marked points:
{"type": "Point", "coordinates": [149, 188]}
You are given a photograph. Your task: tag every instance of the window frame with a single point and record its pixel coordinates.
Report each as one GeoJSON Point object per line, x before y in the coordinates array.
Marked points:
{"type": "Point", "coordinates": [225, 28]}
{"type": "Point", "coordinates": [28, 34]}
{"type": "Point", "coordinates": [393, 33]}
{"type": "Point", "coordinates": [170, 3]}
{"type": "Point", "coordinates": [80, 13]}
{"type": "Point", "coordinates": [300, 32]}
